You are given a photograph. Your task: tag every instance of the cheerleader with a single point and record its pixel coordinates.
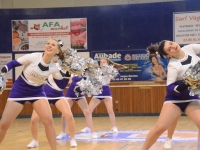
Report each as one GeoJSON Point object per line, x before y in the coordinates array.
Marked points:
{"type": "Point", "coordinates": [177, 99]}
{"type": "Point", "coordinates": [56, 97]}
{"type": "Point", "coordinates": [29, 87]}
{"type": "Point", "coordinates": [106, 96]}
{"type": "Point", "coordinates": [81, 101]}
{"type": "Point", "coordinates": [160, 74]}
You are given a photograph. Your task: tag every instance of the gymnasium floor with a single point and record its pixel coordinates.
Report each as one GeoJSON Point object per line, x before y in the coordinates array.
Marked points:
{"type": "Point", "coordinates": [132, 132]}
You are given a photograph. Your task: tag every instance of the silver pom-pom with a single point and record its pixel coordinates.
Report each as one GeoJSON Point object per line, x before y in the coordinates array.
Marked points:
{"type": "Point", "coordinates": [2, 83]}
{"type": "Point", "coordinates": [89, 62]}
{"type": "Point", "coordinates": [194, 91]}
{"type": "Point", "coordinates": [192, 77]}
{"type": "Point", "coordinates": [90, 86]}
{"type": "Point", "coordinates": [109, 71]}
{"type": "Point", "coordinates": [86, 87]}
{"type": "Point", "coordinates": [72, 62]}
{"type": "Point", "coordinates": [91, 83]}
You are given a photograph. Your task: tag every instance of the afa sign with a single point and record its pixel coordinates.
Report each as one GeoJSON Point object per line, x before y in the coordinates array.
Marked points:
{"type": "Point", "coordinates": [32, 35]}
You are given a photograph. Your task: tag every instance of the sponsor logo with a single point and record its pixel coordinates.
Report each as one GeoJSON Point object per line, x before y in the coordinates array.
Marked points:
{"type": "Point", "coordinates": [37, 75]}
{"type": "Point", "coordinates": [140, 56]}
{"type": "Point", "coordinates": [5, 57]}
{"type": "Point", "coordinates": [127, 57]}
{"type": "Point", "coordinates": [114, 57]}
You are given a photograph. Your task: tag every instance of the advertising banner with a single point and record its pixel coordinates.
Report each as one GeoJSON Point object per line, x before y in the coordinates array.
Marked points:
{"type": "Point", "coordinates": [4, 59]}
{"type": "Point", "coordinates": [32, 35]}
{"type": "Point", "coordinates": [186, 27]}
{"type": "Point", "coordinates": [140, 65]}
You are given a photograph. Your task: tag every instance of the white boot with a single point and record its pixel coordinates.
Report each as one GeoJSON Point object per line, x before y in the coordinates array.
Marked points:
{"type": "Point", "coordinates": [73, 143]}
{"type": "Point", "coordinates": [85, 130]}
{"type": "Point", "coordinates": [94, 135]}
{"type": "Point", "coordinates": [61, 136]}
{"type": "Point", "coordinates": [168, 143]}
{"type": "Point", "coordinates": [114, 130]}
{"type": "Point", "coordinates": [33, 144]}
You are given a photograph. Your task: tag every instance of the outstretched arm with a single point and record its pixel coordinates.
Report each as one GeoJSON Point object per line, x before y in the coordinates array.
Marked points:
{"type": "Point", "coordinates": [28, 58]}
{"type": "Point", "coordinates": [10, 65]}
{"type": "Point", "coordinates": [61, 79]}
{"type": "Point", "coordinates": [195, 47]}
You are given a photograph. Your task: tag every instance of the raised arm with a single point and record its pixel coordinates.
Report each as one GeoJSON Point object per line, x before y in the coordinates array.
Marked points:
{"type": "Point", "coordinates": [18, 62]}
{"type": "Point", "coordinates": [196, 48]}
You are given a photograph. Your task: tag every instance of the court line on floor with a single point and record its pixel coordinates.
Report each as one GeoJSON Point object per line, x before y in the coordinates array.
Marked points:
{"type": "Point", "coordinates": [126, 145]}
{"type": "Point", "coordinates": [11, 133]}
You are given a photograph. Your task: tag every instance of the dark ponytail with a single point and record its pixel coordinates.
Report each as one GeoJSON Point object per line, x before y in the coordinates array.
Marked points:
{"type": "Point", "coordinates": [158, 47]}
{"type": "Point", "coordinates": [161, 49]}
{"type": "Point", "coordinates": [152, 49]}
{"type": "Point", "coordinates": [60, 55]}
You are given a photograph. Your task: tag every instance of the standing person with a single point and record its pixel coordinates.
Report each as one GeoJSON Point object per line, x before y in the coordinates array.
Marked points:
{"type": "Point", "coordinates": [105, 96]}
{"type": "Point", "coordinates": [56, 97]}
{"type": "Point", "coordinates": [81, 101]}
{"type": "Point", "coordinates": [177, 99]}
{"type": "Point", "coordinates": [160, 74]}
{"type": "Point", "coordinates": [29, 87]}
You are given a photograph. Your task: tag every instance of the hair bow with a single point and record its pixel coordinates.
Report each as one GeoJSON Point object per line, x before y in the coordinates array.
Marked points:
{"type": "Point", "coordinates": [60, 43]}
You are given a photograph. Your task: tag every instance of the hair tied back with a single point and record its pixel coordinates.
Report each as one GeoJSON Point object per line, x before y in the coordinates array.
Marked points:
{"type": "Point", "coordinates": [60, 43]}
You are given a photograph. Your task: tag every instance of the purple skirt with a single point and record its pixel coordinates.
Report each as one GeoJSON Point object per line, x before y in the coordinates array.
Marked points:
{"type": "Point", "coordinates": [52, 93]}
{"type": "Point", "coordinates": [22, 91]}
{"type": "Point", "coordinates": [71, 94]}
{"type": "Point", "coordinates": [175, 97]}
{"type": "Point", "coordinates": [105, 93]}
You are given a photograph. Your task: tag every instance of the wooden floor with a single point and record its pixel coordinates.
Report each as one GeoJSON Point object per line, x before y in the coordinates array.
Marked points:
{"type": "Point", "coordinates": [18, 136]}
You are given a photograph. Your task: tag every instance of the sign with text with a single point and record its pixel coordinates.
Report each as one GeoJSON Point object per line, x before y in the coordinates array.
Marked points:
{"type": "Point", "coordinates": [186, 27]}
{"type": "Point", "coordinates": [32, 35]}
{"type": "Point", "coordinates": [140, 65]}
{"type": "Point", "coordinates": [4, 59]}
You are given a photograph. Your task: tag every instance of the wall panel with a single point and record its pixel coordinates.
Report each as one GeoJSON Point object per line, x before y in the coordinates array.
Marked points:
{"type": "Point", "coordinates": [127, 99]}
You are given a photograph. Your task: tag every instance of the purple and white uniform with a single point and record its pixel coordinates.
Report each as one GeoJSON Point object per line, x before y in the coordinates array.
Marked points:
{"type": "Point", "coordinates": [176, 70]}
{"type": "Point", "coordinates": [29, 85]}
{"type": "Point", "coordinates": [70, 92]}
{"type": "Point", "coordinates": [52, 90]}
{"type": "Point", "coordinates": [106, 92]}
